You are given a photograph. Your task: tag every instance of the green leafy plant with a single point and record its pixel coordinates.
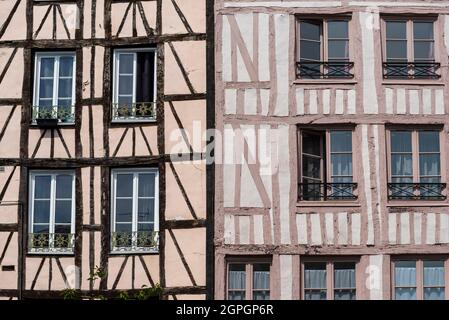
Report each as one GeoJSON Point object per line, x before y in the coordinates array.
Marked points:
{"type": "Point", "coordinates": [70, 294]}
{"type": "Point", "coordinates": [97, 273]}
{"type": "Point", "coordinates": [124, 295]}
{"type": "Point", "coordinates": [148, 292]}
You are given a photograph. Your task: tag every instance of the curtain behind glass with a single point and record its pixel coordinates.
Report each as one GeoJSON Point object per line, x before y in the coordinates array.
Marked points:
{"type": "Point", "coordinates": [344, 281]}
{"type": "Point", "coordinates": [236, 282]}
{"type": "Point", "coordinates": [315, 281]}
{"type": "Point", "coordinates": [405, 280]}
{"type": "Point", "coordinates": [261, 282]}
{"type": "Point", "coordinates": [433, 280]}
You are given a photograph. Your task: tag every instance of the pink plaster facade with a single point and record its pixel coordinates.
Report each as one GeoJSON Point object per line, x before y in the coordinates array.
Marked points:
{"type": "Point", "coordinates": [258, 95]}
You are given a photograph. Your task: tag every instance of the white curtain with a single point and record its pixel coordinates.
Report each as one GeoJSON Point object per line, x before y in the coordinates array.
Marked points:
{"type": "Point", "coordinates": [315, 279]}
{"type": "Point", "coordinates": [434, 277]}
{"type": "Point", "coordinates": [344, 278]}
{"type": "Point", "coordinates": [261, 280]}
{"type": "Point", "coordinates": [237, 280]}
{"type": "Point", "coordinates": [405, 280]}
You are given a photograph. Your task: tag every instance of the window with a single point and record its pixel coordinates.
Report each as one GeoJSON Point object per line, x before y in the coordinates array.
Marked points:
{"type": "Point", "coordinates": [323, 48]}
{"type": "Point", "coordinates": [410, 49]}
{"type": "Point", "coordinates": [415, 169]}
{"type": "Point", "coordinates": [134, 89]}
{"type": "Point", "coordinates": [326, 160]}
{"type": "Point", "coordinates": [54, 87]}
{"type": "Point", "coordinates": [135, 215]}
{"type": "Point", "coordinates": [52, 209]}
{"type": "Point", "coordinates": [248, 281]}
{"type": "Point", "coordinates": [329, 280]}
{"type": "Point", "coordinates": [419, 279]}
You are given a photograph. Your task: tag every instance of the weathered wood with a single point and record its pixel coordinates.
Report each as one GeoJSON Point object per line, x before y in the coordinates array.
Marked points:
{"type": "Point", "coordinates": [4, 227]}
{"type": "Point", "coordinates": [185, 224]}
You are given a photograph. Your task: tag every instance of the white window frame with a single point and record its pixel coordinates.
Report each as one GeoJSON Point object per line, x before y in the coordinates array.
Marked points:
{"type": "Point", "coordinates": [135, 172]}
{"type": "Point", "coordinates": [32, 184]}
{"type": "Point", "coordinates": [115, 86]}
{"type": "Point", "coordinates": [37, 70]}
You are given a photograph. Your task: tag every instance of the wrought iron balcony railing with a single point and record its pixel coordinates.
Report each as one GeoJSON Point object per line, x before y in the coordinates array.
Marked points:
{"type": "Point", "coordinates": [53, 114]}
{"type": "Point", "coordinates": [411, 70]}
{"type": "Point", "coordinates": [51, 242]}
{"type": "Point", "coordinates": [147, 241]}
{"type": "Point", "coordinates": [325, 70]}
{"type": "Point", "coordinates": [416, 191]}
{"type": "Point", "coordinates": [327, 191]}
{"type": "Point", "coordinates": [135, 111]}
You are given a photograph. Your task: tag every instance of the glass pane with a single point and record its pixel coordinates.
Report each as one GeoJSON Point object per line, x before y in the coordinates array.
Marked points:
{"type": "Point", "coordinates": [396, 30]}
{"type": "Point", "coordinates": [311, 167]}
{"type": "Point", "coordinates": [401, 141]}
{"type": "Point", "coordinates": [405, 293]}
{"type": "Point", "coordinates": [64, 103]}
{"type": "Point", "coordinates": [261, 295]}
{"type": "Point", "coordinates": [125, 85]}
{"type": "Point", "coordinates": [236, 295]}
{"type": "Point", "coordinates": [124, 185]}
{"type": "Point", "coordinates": [123, 227]}
{"type": "Point", "coordinates": [46, 88]}
{"type": "Point", "coordinates": [344, 294]}
{"type": "Point", "coordinates": [315, 295]}
{"type": "Point", "coordinates": [146, 210]}
{"type": "Point", "coordinates": [41, 211]}
{"type": "Point", "coordinates": [311, 144]}
{"type": "Point", "coordinates": [126, 61]}
{"type": "Point", "coordinates": [47, 67]}
{"type": "Point", "coordinates": [62, 228]}
{"type": "Point", "coordinates": [310, 30]}
{"type": "Point", "coordinates": [147, 227]}
{"type": "Point", "coordinates": [344, 275]}
{"type": "Point", "coordinates": [64, 186]}
{"type": "Point", "coordinates": [429, 164]}
{"type": "Point", "coordinates": [434, 273]}
{"type": "Point", "coordinates": [401, 165]}
{"type": "Point", "coordinates": [310, 50]}
{"type": "Point", "coordinates": [261, 276]}
{"type": "Point", "coordinates": [405, 273]}
{"type": "Point", "coordinates": [429, 141]}
{"type": "Point", "coordinates": [341, 164]}
{"type": "Point", "coordinates": [341, 141]}
{"type": "Point", "coordinates": [45, 103]}
{"type": "Point", "coordinates": [125, 100]}
{"type": "Point", "coordinates": [423, 50]}
{"type": "Point", "coordinates": [337, 29]}
{"type": "Point", "coordinates": [397, 50]}
{"type": "Point", "coordinates": [66, 66]}
{"type": "Point", "coordinates": [65, 88]}
{"type": "Point", "coordinates": [41, 228]}
{"type": "Point", "coordinates": [42, 187]}
{"type": "Point", "coordinates": [422, 30]}
{"type": "Point", "coordinates": [237, 277]}
{"type": "Point", "coordinates": [434, 293]}
{"type": "Point", "coordinates": [123, 210]}
{"type": "Point", "coordinates": [338, 49]}
{"type": "Point", "coordinates": [315, 276]}
{"type": "Point", "coordinates": [63, 211]}
{"type": "Point", "coordinates": [146, 185]}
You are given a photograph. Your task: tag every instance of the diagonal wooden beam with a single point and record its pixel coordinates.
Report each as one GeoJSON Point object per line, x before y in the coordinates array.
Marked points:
{"type": "Point", "coordinates": [146, 141]}
{"type": "Point", "coordinates": [63, 142]}
{"type": "Point", "coordinates": [8, 240]}
{"type": "Point", "coordinates": [147, 272]}
{"type": "Point", "coordinates": [38, 144]}
{"type": "Point", "coordinates": [64, 23]}
{"type": "Point", "coordinates": [181, 67]}
{"type": "Point", "coordinates": [182, 17]}
{"type": "Point", "coordinates": [183, 191]}
{"type": "Point", "coordinates": [8, 181]}
{"type": "Point", "coordinates": [8, 119]}
{"type": "Point", "coordinates": [58, 263]}
{"type": "Point", "coordinates": [42, 22]}
{"type": "Point", "coordinates": [119, 275]}
{"type": "Point", "coordinates": [33, 284]}
{"type": "Point", "coordinates": [122, 23]}
{"type": "Point", "coordinates": [181, 126]}
{"type": "Point", "coordinates": [146, 25]}
{"type": "Point", "coordinates": [120, 142]}
{"type": "Point", "coordinates": [8, 63]}
{"type": "Point", "coordinates": [8, 19]}
{"type": "Point", "coordinates": [183, 259]}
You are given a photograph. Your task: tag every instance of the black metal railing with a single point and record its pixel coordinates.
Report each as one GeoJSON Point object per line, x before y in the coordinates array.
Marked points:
{"type": "Point", "coordinates": [327, 191]}
{"type": "Point", "coordinates": [51, 242]}
{"type": "Point", "coordinates": [411, 70]}
{"type": "Point", "coordinates": [53, 114]}
{"type": "Point", "coordinates": [416, 191]}
{"type": "Point", "coordinates": [325, 70]}
{"type": "Point", "coordinates": [135, 241]}
{"type": "Point", "coordinates": [134, 111]}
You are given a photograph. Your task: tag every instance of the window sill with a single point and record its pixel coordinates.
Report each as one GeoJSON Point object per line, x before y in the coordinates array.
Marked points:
{"type": "Point", "coordinates": [59, 124]}
{"type": "Point", "coordinates": [417, 82]}
{"type": "Point", "coordinates": [304, 204]}
{"type": "Point", "coordinates": [126, 121]}
{"type": "Point", "coordinates": [134, 252]}
{"type": "Point", "coordinates": [417, 203]}
{"type": "Point", "coordinates": [50, 253]}
{"type": "Point", "coordinates": [325, 81]}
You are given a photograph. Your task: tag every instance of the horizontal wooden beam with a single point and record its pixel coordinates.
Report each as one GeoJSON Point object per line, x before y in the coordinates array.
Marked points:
{"type": "Point", "coordinates": [8, 227]}
{"type": "Point", "coordinates": [182, 97]}
{"type": "Point", "coordinates": [9, 101]}
{"type": "Point", "coordinates": [184, 224]}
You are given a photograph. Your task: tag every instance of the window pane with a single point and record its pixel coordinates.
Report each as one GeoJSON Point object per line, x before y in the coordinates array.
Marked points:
{"type": "Point", "coordinates": [237, 277]}
{"type": "Point", "coordinates": [429, 164]}
{"type": "Point", "coordinates": [434, 293]}
{"type": "Point", "coordinates": [405, 273]}
{"type": "Point", "coordinates": [401, 141]}
{"type": "Point", "coordinates": [311, 167]}
{"type": "Point", "coordinates": [146, 185]}
{"type": "Point", "coordinates": [338, 49]}
{"type": "Point", "coordinates": [341, 164]}
{"type": "Point", "coordinates": [423, 50]}
{"type": "Point", "coordinates": [66, 66]}
{"type": "Point", "coordinates": [310, 30]}
{"type": "Point", "coordinates": [126, 61]}
{"type": "Point", "coordinates": [123, 227]}
{"type": "Point", "coordinates": [337, 29]}
{"type": "Point", "coordinates": [146, 210]}
{"type": "Point", "coordinates": [124, 185]}
{"type": "Point", "coordinates": [123, 210]}
{"type": "Point", "coordinates": [45, 103]}
{"type": "Point", "coordinates": [397, 50]}
{"type": "Point", "coordinates": [405, 293]}
{"type": "Point", "coordinates": [396, 30]}
{"type": "Point", "coordinates": [315, 276]}
{"type": "Point", "coordinates": [311, 144]}
{"type": "Point", "coordinates": [236, 295]}
{"type": "Point", "coordinates": [65, 88]}
{"type": "Point", "coordinates": [429, 141]}
{"type": "Point", "coordinates": [41, 228]}
{"type": "Point", "coordinates": [310, 50]}
{"type": "Point", "coordinates": [422, 30]}
{"type": "Point", "coordinates": [42, 187]}
{"type": "Point", "coordinates": [64, 103]}
{"type": "Point", "coordinates": [47, 67]}
{"type": "Point", "coordinates": [146, 227]}
{"type": "Point", "coordinates": [261, 276]}
{"type": "Point", "coordinates": [125, 85]}
{"type": "Point", "coordinates": [41, 211]}
{"type": "Point", "coordinates": [401, 165]}
{"type": "Point", "coordinates": [46, 88]}
{"type": "Point", "coordinates": [64, 186]}
{"type": "Point", "coordinates": [434, 273]}
{"type": "Point", "coordinates": [125, 100]}
{"type": "Point", "coordinates": [62, 228]}
{"type": "Point", "coordinates": [341, 141]}
{"type": "Point", "coordinates": [63, 211]}
{"type": "Point", "coordinates": [344, 275]}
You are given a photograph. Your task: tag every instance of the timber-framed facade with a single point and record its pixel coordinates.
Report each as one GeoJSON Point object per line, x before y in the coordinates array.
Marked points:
{"type": "Point", "coordinates": [91, 148]}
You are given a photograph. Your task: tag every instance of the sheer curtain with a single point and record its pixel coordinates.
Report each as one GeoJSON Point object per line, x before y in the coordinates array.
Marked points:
{"type": "Point", "coordinates": [261, 285]}
{"type": "Point", "coordinates": [433, 280]}
{"type": "Point", "coordinates": [237, 281]}
{"type": "Point", "coordinates": [344, 284]}
{"type": "Point", "coordinates": [405, 280]}
{"type": "Point", "coordinates": [315, 282]}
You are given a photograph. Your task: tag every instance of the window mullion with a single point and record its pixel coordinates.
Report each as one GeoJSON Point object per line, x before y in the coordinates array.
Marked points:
{"type": "Point", "coordinates": [52, 208]}
{"type": "Point", "coordinates": [419, 280]}
{"type": "Point", "coordinates": [135, 204]}
{"type": "Point", "coordinates": [415, 156]}
{"type": "Point", "coordinates": [134, 76]}
{"type": "Point", "coordinates": [72, 221]}
{"type": "Point", "coordinates": [56, 81]}
{"type": "Point", "coordinates": [248, 282]}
